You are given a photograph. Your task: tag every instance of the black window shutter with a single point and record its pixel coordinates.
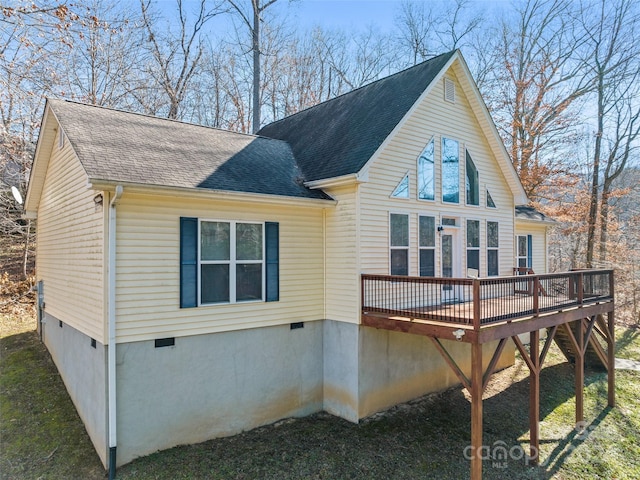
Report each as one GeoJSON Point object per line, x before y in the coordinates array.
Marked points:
{"type": "Point", "coordinates": [188, 262]}
{"type": "Point", "coordinates": [272, 248]}
{"type": "Point", "coordinates": [529, 251]}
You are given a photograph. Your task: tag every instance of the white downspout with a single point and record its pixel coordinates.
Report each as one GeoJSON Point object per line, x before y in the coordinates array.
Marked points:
{"type": "Point", "coordinates": [111, 348]}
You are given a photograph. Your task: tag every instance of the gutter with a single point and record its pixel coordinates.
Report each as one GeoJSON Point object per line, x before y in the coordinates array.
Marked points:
{"type": "Point", "coordinates": [206, 193]}
{"type": "Point", "coordinates": [349, 179]}
{"type": "Point", "coordinates": [111, 348]}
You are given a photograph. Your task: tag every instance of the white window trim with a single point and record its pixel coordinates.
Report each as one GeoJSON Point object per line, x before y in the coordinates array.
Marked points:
{"type": "Point", "coordinates": [435, 243]}
{"type": "Point", "coordinates": [526, 255]}
{"type": "Point", "coordinates": [446, 202]}
{"type": "Point", "coordinates": [396, 247]}
{"type": "Point", "coordinates": [466, 200]}
{"type": "Point", "coordinates": [467, 248]}
{"type": "Point", "coordinates": [456, 218]}
{"type": "Point", "coordinates": [497, 249]}
{"type": "Point", "coordinates": [435, 195]}
{"type": "Point", "coordinates": [486, 191]}
{"type": "Point", "coordinates": [232, 262]}
{"type": "Point", "coordinates": [407, 175]}
{"type": "Point", "coordinates": [60, 138]}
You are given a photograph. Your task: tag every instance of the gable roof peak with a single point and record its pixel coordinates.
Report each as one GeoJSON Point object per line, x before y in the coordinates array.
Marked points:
{"type": "Point", "coordinates": [357, 89]}
{"type": "Point", "coordinates": [337, 137]}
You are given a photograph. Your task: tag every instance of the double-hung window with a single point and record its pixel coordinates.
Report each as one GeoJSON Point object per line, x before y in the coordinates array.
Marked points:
{"type": "Point", "coordinates": [493, 240]}
{"type": "Point", "coordinates": [399, 243]}
{"type": "Point", "coordinates": [231, 262]}
{"type": "Point", "coordinates": [223, 261]}
{"type": "Point", "coordinates": [473, 244]}
{"type": "Point", "coordinates": [427, 245]}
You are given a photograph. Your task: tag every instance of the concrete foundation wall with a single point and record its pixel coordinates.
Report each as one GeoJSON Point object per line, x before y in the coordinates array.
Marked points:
{"type": "Point", "coordinates": [397, 367]}
{"type": "Point", "coordinates": [214, 385]}
{"type": "Point", "coordinates": [83, 370]}
{"type": "Point", "coordinates": [340, 358]}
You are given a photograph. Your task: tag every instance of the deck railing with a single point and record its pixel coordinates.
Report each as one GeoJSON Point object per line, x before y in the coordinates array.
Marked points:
{"type": "Point", "coordinates": [486, 300]}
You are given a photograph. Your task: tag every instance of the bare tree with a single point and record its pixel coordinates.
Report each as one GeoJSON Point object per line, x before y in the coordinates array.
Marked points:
{"type": "Point", "coordinates": [456, 24]}
{"type": "Point", "coordinates": [103, 66]}
{"type": "Point", "coordinates": [415, 23]}
{"type": "Point", "coordinates": [177, 56]}
{"type": "Point", "coordinates": [621, 148]}
{"type": "Point", "coordinates": [426, 29]}
{"type": "Point", "coordinates": [612, 60]}
{"type": "Point", "coordinates": [541, 80]}
{"type": "Point", "coordinates": [252, 17]}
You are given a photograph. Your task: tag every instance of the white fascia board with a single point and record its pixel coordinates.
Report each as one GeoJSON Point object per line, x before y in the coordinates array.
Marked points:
{"type": "Point", "coordinates": [202, 193]}
{"type": "Point", "coordinates": [341, 181]}
{"type": "Point", "coordinates": [32, 198]}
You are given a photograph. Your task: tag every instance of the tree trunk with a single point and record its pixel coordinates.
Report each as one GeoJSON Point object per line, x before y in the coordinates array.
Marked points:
{"type": "Point", "coordinates": [595, 182]}
{"type": "Point", "coordinates": [604, 221]}
{"type": "Point", "coordinates": [256, 67]}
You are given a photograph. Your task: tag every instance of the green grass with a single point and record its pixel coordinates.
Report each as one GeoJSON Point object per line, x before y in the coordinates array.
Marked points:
{"type": "Point", "coordinates": [42, 436]}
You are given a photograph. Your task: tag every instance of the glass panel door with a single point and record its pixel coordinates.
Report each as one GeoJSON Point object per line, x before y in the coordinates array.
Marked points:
{"type": "Point", "coordinates": [452, 252]}
{"type": "Point", "coordinates": [447, 256]}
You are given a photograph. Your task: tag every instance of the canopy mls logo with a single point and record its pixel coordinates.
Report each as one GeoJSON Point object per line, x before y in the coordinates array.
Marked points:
{"type": "Point", "coordinates": [499, 453]}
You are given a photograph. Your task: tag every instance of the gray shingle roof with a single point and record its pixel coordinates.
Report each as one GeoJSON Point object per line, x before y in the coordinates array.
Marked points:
{"type": "Point", "coordinates": [524, 212]}
{"type": "Point", "coordinates": [119, 146]}
{"type": "Point", "coordinates": [339, 136]}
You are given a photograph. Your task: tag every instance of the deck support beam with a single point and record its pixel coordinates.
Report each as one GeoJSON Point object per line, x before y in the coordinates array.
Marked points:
{"type": "Point", "coordinates": [452, 363]}
{"type": "Point", "coordinates": [534, 397]}
{"type": "Point", "coordinates": [611, 360]}
{"type": "Point", "coordinates": [476, 411]}
{"type": "Point", "coordinates": [579, 372]}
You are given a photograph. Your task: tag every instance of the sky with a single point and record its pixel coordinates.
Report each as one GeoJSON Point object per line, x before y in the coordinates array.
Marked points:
{"type": "Point", "coordinates": [360, 13]}
{"type": "Point", "coordinates": [344, 14]}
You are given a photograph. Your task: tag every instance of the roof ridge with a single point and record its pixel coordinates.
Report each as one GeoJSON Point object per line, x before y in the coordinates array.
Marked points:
{"type": "Point", "coordinates": [342, 95]}
{"type": "Point", "coordinates": [154, 117]}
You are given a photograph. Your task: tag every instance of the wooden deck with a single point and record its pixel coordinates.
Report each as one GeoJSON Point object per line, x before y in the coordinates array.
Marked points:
{"type": "Point", "coordinates": [485, 309]}
{"type": "Point", "coordinates": [477, 311]}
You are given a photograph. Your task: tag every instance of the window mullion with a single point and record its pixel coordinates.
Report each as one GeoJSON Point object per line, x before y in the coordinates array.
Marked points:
{"type": "Point", "coordinates": [264, 264]}
{"type": "Point", "coordinates": [232, 262]}
{"type": "Point", "coordinates": [199, 269]}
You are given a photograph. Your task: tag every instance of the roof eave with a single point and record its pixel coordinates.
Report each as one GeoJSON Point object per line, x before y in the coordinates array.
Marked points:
{"type": "Point", "coordinates": [349, 179]}
{"type": "Point", "coordinates": [205, 193]}
{"type": "Point", "coordinates": [36, 181]}
{"type": "Point", "coordinates": [535, 221]}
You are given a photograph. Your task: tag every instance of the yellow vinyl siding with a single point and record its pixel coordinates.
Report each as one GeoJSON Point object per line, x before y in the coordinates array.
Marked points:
{"type": "Point", "coordinates": [434, 118]}
{"type": "Point", "coordinates": [70, 245]}
{"type": "Point", "coordinates": [342, 270]}
{"type": "Point", "coordinates": [148, 273]}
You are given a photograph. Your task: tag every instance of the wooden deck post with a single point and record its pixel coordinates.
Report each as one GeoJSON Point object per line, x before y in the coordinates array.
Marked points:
{"type": "Point", "coordinates": [611, 360]}
{"type": "Point", "coordinates": [534, 397]}
{"type": "Point", "coordinates": [579, 380]}
{"type": "Point", "coordinates": [476, 411]}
